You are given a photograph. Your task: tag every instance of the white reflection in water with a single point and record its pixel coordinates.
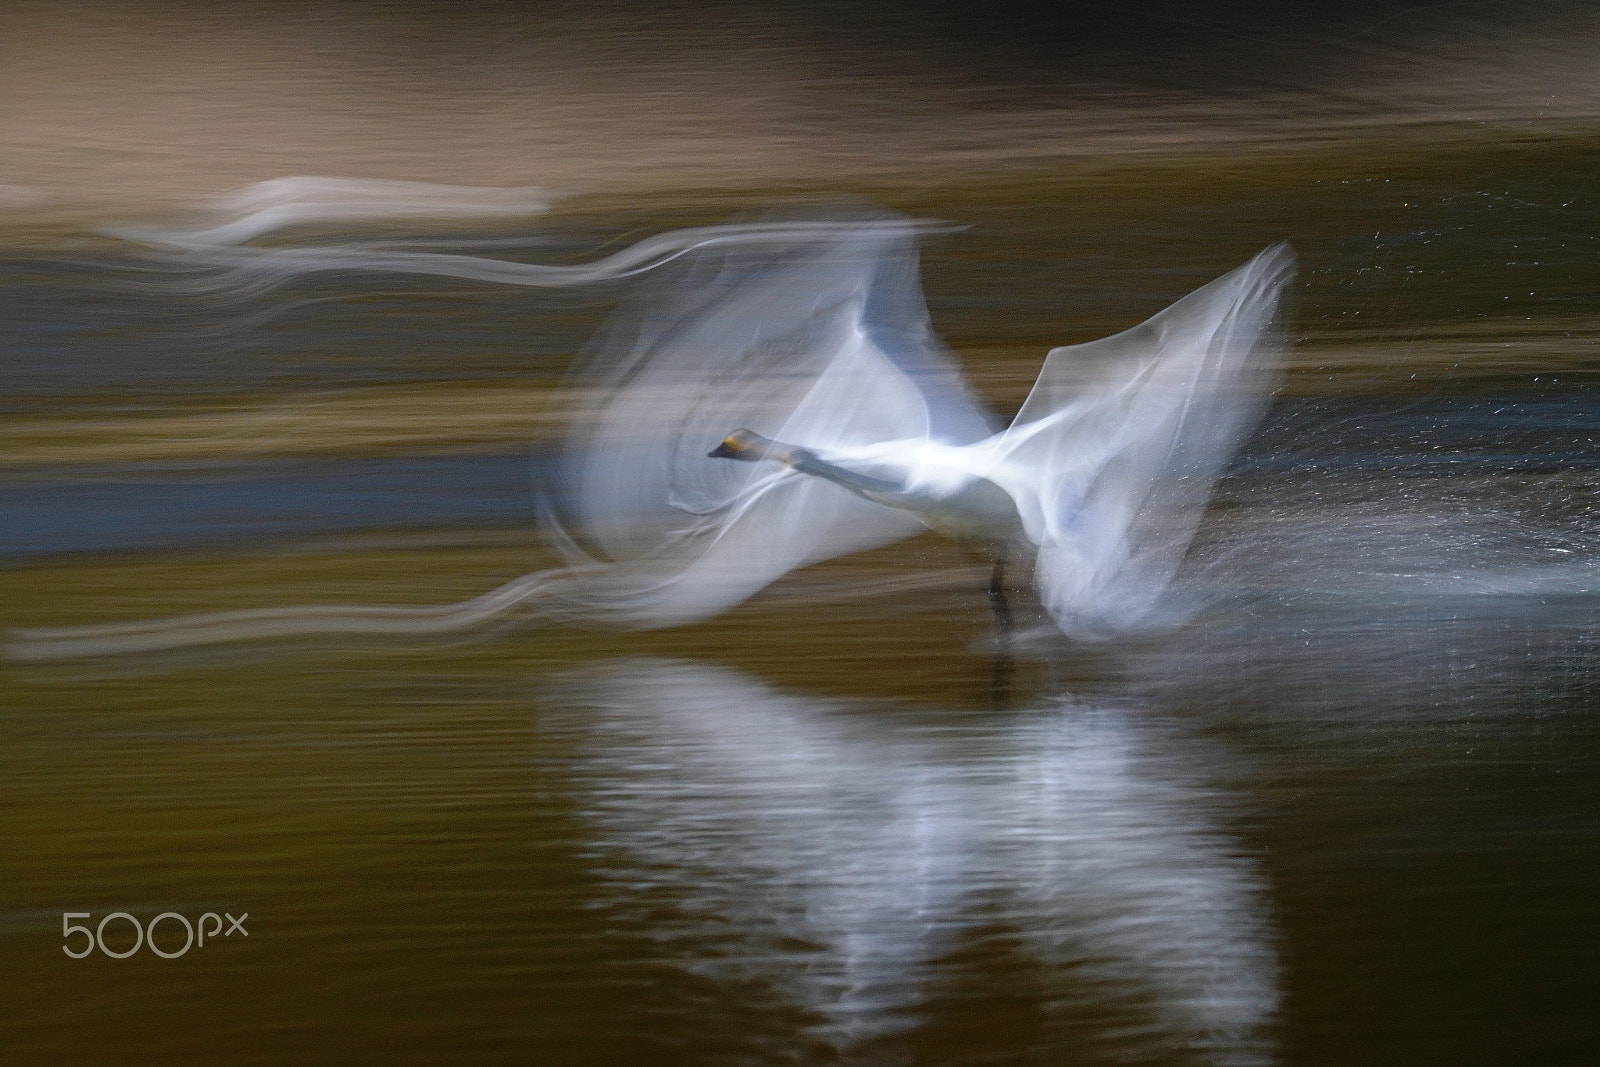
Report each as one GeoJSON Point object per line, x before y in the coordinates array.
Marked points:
{"type": "Point", "coordinates": [838, 856]}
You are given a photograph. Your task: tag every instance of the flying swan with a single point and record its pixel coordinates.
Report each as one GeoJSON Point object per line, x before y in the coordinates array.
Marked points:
{"type": "Point", "coordinates": [805, 350]}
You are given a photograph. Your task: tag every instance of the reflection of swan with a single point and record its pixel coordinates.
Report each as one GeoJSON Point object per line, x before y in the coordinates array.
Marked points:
{"type": "Point", "coordinates": [836, 859]}
{"type": "Point", "coordinates": [815, 332]}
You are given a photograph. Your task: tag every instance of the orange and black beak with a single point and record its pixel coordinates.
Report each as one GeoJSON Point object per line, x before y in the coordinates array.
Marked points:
{"type": "Point", "coordinates": [740, 444]}
{"type": "Point", "coordinates": [746, 445]}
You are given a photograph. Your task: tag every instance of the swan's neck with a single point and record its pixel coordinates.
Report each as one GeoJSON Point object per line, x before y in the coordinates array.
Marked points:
{"type": "Point", "coordinates": [975, 510]}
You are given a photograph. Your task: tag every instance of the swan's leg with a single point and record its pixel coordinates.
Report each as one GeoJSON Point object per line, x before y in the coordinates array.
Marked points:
{"type": "Point", "coordinates": [1000, 678]}
{"type": "Point", "coordinates": [997, 596]}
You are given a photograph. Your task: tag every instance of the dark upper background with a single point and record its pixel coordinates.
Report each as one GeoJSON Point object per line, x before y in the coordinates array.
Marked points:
{"type": "Point", "coordinates": [113, 108]}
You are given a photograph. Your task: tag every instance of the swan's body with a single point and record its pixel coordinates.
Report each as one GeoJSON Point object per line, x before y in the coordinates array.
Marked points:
{"type": "Point", "coordinates": [815, 336]}
{"type": "Point", "coordinates": [949, 488]}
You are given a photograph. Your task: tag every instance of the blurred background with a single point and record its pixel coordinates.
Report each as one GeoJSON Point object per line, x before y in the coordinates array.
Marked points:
{"type": "Point", "coordinates": [145, 105]}
{"type": "Point", "coordinates": [1347, 813]}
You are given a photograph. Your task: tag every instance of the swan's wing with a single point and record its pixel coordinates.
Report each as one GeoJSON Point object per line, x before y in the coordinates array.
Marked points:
{"type": "Point", "coordinates": [1115, 451]}
{"type": "Point", "coordinates": [819, 339]}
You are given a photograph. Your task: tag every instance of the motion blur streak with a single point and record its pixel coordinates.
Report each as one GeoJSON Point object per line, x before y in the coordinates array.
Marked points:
{"type": "Point", "coordinates": [266, 207]}
{"type": "Point", "coordinates": [816, 332]}
{"type": "Point", "coordinates": [255, 271]}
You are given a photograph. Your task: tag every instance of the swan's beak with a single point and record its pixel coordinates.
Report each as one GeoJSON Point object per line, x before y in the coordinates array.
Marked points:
{"type": "Point", "coordinates": [740, 444]}
{"type": "Point", "coordinates": [745, 445]}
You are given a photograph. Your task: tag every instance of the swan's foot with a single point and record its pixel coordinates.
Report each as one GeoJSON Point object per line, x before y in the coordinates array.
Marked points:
{"type": "Point", "coordinates": [997, 600]}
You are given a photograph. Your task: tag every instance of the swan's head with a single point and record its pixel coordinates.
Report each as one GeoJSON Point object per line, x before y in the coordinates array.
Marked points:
{"type": "Point", "coordinates": [746, 445]}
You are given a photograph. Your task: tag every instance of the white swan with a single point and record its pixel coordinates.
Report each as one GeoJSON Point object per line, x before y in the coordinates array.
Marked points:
{"type": "Point", "coordinates": [815, 334]}
{"type": "Point", "coordinates": [1101, 481]}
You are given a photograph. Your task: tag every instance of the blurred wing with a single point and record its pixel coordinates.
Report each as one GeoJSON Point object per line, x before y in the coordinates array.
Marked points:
{"type": "Point", "coordinates": [1114, 453]}
{"type": "Point", "coordinates": [821, 340]}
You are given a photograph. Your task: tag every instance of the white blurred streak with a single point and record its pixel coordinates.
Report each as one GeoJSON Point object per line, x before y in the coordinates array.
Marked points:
{"type": "Point", "coordinates": [227, 266]}
{"type": "Point", "coordinates": [261, 624]}
{"type": "Point", "coordinates": [266, 207]}
{"type": "Point", "coordinates": [837, 857]}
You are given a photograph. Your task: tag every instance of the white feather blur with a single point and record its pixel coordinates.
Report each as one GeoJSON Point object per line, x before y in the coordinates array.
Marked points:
{"type": "Point", "coordinates": [814, 333]}
{"type": "Point", "coordinates": [826, 350]}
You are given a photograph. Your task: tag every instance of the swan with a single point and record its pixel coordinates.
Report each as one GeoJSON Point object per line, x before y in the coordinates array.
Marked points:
{"type": "Point", "coordinates": [1100, 485]}
{"type": "Point", "coordinates": [804, 348]}
{"type": "Point", "coordinates": [937, 483]}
